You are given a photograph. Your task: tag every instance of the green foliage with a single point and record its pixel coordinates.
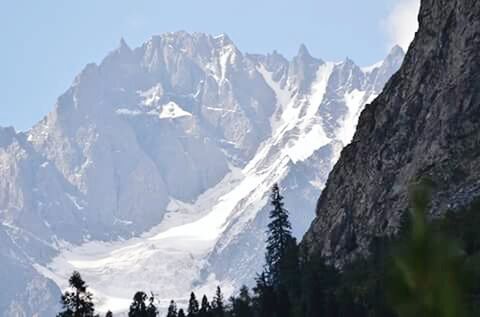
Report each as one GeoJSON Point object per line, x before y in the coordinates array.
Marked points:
{"type": "Point", "coordinates": [362, 287]}
{"type": "Point", "coordinates": [426, 278]}
{"type": "Point", "coordinates": [463, 226]}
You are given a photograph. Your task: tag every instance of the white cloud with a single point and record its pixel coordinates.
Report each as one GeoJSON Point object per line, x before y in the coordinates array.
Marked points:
{"type": "Point", "coordinates": [401, 23]}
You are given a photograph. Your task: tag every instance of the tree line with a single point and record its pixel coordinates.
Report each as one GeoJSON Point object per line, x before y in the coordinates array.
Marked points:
{"type": "Point", "coordinates": [431, 268]}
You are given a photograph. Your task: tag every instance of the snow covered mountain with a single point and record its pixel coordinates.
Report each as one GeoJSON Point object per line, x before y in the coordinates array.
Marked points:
{"type": "Point", "coordinates": [154, 169]}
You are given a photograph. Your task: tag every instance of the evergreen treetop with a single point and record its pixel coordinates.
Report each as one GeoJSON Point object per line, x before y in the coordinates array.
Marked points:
{"type": "Point", "coordinates": [139, 307]}
{"type": "Point", "coordinates": [172, 309]}
{"type": "Point", "coordinates": [181, 312]}
{"type": "Point", "coordinates": [218, 303]}
{"type": "Point", "coordinates": [193, 306]}
{"type": "Point", "coordinates": [279, 237]}
{"type": "Point", "coordinates": [77, 303]}
{"type": "Point", "coordinates": [242, 305]}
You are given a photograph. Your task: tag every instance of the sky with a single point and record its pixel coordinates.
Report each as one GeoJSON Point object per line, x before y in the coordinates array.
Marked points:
{"type": "Point", "coordinates": [45, 44]}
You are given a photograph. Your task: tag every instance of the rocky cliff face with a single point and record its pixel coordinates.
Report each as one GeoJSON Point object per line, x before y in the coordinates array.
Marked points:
{"type": "Point", "coordinates": [426, 123]}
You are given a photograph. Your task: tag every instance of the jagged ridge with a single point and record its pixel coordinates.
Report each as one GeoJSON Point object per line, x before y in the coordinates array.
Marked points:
{"type": "Point", "coordinates": [176, 143]}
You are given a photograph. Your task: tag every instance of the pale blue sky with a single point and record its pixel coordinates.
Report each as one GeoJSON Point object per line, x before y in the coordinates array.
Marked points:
{"type": "Point", "coordinates": [46, 43]}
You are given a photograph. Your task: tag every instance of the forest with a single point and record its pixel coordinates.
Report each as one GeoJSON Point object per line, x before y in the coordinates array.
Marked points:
{"type": "Point", "coordinates": [431, 267]}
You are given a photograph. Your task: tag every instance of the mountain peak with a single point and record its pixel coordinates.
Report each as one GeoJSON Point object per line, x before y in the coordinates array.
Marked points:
{"type": "Point", "coordinates": [123, 45]}
{"type": "Point", "coordinates": [7, 134]}
{"type": "Point", "coordinates": [304, 57]}
{"type": "Point", "coordinates": [396, 56]}
{"type": "Point", "coordinates": [303, 51]}
{"type": "Point", "coordinates": [348, 61]}
{"type": "Point", "coordinates": [7, 130]}
{"type": "Point", "coordinates": [397, 50]}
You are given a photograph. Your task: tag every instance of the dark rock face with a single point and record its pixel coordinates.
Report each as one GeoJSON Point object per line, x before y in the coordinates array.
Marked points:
{"type": "Point", "coordinates": [426, 123]}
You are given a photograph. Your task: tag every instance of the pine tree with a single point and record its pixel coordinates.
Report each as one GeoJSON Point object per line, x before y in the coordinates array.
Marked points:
{"type": "Point", "coordinates": [289, 278]}
{"type": "Point", "coordinates": [279, 238]}
{"type": "Point", "coordinates": [152, 310]}
{"type": "Point", "coordinates": [139, 307]}
{"type": "Point", "coordinates": [181, 313]}
{"type": "Point", "coordinates": [264, 301]}
{"type": "Point", "coordinates": [205, 309]}
{"type": "Point", "coordinates": [79, 302]}
{"type": "Point", "coordinates": [242, 305]}
{"type": "Point", "coordinates": [319, 282]}
{"type": "Point", "coordinates": [172, 309]}
{"type": "Point", "coordinates": [193, 307]}
{"type": "Point", "coordinates": [109, 314]}
{"type": "Point", "coordinates": [218, 305]}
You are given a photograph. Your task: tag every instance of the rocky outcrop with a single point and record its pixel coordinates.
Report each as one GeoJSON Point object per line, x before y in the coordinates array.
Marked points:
{"type": "Point", "coordinates": [426, 123]}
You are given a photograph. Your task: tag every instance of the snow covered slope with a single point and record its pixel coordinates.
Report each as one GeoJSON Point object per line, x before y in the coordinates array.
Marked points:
{"type": "Point", "coordinates": [153, 171]}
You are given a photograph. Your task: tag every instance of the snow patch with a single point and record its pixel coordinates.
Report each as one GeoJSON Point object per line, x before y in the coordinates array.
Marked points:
{"type": "Point", "coordinates": [128, 112]}
{"type": "Point", "coordinates": [74, 200]}
{"type": "Point", "coordinates": [355, 101]}
{"type": "Point", "coordinates": [172, 110]}
{"type": "Point", "coordinates": [371, 68]}
{"type": "Point", "coordinates": [123, 222]}
{"type": "Point", "coordinates": [152, 96]}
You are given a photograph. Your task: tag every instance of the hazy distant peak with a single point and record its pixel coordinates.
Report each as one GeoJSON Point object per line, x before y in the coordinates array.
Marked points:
{"type": "Point", "coordinates": [348, 61]}
{"type": "Point", "coordinates": [7, 135]}
{"type": "Point", "coordinates": [303, 51]}
{"type": "Point", "coordinates": [304, 57]}
{"type": "Point", "coordinates": [395, 57]}
{"type": "Point", "coordinates": [123, 45]}
{"type": "Point", "coordinates": [396, 52]}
